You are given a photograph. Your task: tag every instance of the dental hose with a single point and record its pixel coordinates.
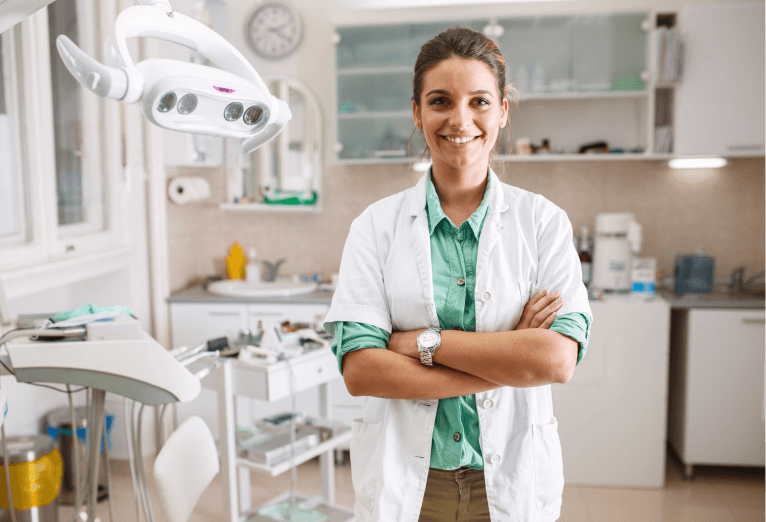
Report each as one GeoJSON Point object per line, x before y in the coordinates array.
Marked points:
{"type": "Point", "coordinates": [140, 463]}
{"type": "Point", "coordinates": [131, 458]}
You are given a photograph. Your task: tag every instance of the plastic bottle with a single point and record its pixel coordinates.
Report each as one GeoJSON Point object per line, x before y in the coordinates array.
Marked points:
{"type": "Point", "coordinates": [586, 260]}
{"type": "Point", "coordinates": [235, 262]}
{"type": "Point", "coordinates": [253, 271]}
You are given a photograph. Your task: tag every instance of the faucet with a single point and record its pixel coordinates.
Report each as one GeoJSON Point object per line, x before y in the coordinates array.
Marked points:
{"type": "Point", "coordinates": [270, 269]}
{"type": "Point", "coordinates": [736, 279]}
{"type": "Point", "coordinates": [737, 283]}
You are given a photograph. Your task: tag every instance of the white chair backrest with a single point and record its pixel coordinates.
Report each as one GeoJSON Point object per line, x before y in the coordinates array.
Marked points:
{"type": "Point", "coordinates": [185, 466]}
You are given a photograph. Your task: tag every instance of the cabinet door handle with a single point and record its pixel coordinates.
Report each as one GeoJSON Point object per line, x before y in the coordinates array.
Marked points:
{"type": "Point", "coordinates": [750, 146]}
{"type": "Point", "coordinates": [225, 314]}
{"type": "Point", "coordinates": [266, 314]}
{"type": "Point", "coordinates": [751, 320]}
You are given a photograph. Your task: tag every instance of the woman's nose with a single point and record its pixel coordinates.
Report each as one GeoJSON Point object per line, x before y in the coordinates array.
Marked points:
{"type": "Point", "coordinates": [460, 117]}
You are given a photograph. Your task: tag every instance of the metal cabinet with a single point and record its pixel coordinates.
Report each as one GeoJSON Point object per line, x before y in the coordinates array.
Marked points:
{"type": "Point", "coordinates": [716, 408]}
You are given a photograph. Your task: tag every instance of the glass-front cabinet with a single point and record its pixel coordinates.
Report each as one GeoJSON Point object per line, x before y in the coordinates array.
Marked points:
{"type": "Point", "coordinates": [581, 79]}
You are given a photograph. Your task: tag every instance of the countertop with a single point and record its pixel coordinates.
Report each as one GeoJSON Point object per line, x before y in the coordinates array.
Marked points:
{"type": "Point", "coordinates": [324, 297]}
{"type": "Point", "coordinates": [196, 294]}
{"type": "Point", "coordinates": [716, 299]}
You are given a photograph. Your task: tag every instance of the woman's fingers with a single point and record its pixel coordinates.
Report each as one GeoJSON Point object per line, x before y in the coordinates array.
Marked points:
{"type": "Point", "coordinates": [543, 315]}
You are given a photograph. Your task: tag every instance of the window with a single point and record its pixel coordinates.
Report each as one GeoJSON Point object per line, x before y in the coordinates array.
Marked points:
{"type": "Point", "coordinates": [13, 204]}
{"type": "Point", "coordinates": [59, 144]}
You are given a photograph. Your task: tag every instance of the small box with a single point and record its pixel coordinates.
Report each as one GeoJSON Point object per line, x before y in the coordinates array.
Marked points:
{"type": "Point", "coordinates": [644, 275]}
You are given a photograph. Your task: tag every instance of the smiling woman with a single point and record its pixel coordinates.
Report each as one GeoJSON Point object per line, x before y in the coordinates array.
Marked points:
{"type": "Point", "coordinates": [437, 322]}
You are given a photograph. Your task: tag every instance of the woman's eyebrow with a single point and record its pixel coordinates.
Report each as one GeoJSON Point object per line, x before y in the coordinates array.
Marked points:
{"type": "Point", "coordinates": [442, 91]}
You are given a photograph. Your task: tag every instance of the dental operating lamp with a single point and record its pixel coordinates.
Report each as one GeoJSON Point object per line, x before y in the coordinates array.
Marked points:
{"type": "Point", "coordinates": [230, 100]}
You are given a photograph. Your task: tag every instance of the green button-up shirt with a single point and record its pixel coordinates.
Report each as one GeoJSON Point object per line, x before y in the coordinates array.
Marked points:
{"type": "Point", "coordinates": [454, 252]}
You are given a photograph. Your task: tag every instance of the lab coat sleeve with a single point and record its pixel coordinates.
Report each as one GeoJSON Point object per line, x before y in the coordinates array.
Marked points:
{"type": "Point", "coordinates": [558, 265]}
{"type": "Point", "coordinates": [360, 295]}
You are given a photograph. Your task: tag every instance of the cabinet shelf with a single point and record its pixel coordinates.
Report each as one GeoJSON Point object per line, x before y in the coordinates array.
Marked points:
{"type": "Point", "coordinates": [299, 459]}
{"type": "Point", "coordinates": [362, 115]}
{"type": "Point", "coordinates": [583, 95]}
{"type": "Point", "coordinates": [390, 69]}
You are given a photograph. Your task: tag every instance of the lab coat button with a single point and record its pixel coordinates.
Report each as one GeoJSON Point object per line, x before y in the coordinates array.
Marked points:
{"type": "Point", "coordinates": [495, 459]}
{"type": "Point", "coordinates": [461, 281]}
{"type": "Point", "coordinates": [488, 403]}
{"type": "Point", "coordinates": [456, 436]}
{"type": "Point", "coordinates": [486, 296]}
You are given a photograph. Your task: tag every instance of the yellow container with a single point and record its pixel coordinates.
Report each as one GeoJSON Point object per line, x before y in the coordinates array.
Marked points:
{"type": "Point", "coordinates": [236, 262]}
{"type": "Point", "coordinates": [36, 470]}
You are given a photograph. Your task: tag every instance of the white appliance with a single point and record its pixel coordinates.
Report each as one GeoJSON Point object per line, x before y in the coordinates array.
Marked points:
{"type": "Point", "coordinates": [617, 238]}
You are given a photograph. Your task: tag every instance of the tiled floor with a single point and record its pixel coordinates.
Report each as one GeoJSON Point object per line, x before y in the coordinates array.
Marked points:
{"type": "Point", "coordinates": [716, 494]}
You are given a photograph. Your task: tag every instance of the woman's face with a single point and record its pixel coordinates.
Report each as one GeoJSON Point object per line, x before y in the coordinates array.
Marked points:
{"type": "Point", "coordinates": [460, 112]}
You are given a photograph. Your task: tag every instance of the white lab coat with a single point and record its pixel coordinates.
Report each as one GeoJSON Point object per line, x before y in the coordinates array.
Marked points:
{"type": "Point", "coordinates": [385, 280]}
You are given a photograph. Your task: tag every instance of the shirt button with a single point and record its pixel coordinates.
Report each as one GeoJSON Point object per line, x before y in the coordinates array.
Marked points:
{"type": "Point", "coordinates": [488, 403]}
{"type": "Point", "coordinates": [486, 296]}
{"type": "Point", "coordinates": [495, 458]}
{"type": "Point", "coordinates": [456, 436]}
{"type": "Point", "coordinates": [461, 281]}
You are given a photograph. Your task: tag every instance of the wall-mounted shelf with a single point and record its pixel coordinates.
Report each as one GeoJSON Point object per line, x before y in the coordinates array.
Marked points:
{"type": "Point", "coordinates": [263, 207]}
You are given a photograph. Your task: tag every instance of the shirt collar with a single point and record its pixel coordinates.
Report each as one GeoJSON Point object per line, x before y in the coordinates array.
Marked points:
{"type": "Point", "coordinates": [436, 214]}
{"type": "Point", "coordinates": [496, 196]}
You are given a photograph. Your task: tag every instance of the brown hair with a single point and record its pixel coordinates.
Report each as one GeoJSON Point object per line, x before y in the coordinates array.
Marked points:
{"type": "Point", "coordinates": [463, 42]}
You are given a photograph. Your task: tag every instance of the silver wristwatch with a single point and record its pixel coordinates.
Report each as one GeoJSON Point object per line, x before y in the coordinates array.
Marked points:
{"type": "Point", "coordinates": [428, 342]}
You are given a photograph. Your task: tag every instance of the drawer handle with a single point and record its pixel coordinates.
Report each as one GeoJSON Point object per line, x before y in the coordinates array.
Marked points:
{"type": "Point", "coordinates": [753, 146]}
{"type": "Point", "coordinates": [225, 314]}
{"type": "Point", "coordinates": [753, 321]}
{"type": "Point", "coordinates": [266, 314]}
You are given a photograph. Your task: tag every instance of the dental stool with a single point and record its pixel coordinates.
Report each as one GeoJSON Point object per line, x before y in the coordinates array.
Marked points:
{"type": "Point", "coordinates": [185, 466]}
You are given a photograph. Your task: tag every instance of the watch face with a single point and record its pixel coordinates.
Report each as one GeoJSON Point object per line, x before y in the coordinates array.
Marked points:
{"type": "Point", "coordinates": [428, 339]}
{"type": "Point", "coordinates": [274, 29]}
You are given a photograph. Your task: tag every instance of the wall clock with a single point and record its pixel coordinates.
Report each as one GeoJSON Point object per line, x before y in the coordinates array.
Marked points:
{"type": "Point", "coordinates": [274, 30]}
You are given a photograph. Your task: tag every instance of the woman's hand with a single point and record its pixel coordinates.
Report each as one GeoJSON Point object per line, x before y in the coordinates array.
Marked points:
{"type": "Point", "coordinates": [539, 312]}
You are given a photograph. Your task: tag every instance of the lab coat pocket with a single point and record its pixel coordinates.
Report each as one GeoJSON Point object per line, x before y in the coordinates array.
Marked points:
{"type": "Point", "coordinates": [365, 460]}
{"type": "Point", "coordinates": [549, 467]}
{"type": "Point", "coordinates": [526, 291]}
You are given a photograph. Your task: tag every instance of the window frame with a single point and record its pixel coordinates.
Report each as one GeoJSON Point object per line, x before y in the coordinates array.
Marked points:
{"type": "Point", "coordinates": [102, 144]}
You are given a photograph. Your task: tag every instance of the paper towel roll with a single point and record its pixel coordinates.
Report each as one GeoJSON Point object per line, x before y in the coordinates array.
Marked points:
{"type": "Point", "coordinates": [183, 189]}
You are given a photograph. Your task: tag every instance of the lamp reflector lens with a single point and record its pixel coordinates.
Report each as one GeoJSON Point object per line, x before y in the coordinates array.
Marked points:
{"type": "Point", "coordinates": [253, 115]}
{"type": "Point", "coordinates": [167, 102]}
{"type": "Point", "coordinates": [233, 111]}
{"type": "Point", "coordinates": [187, 104]}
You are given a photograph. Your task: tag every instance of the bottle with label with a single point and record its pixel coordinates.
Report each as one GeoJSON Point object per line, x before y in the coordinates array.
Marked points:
{"type": "Point", "coordinates": [235, 262]}
{"type": "Point", "coordinates": [586, 259]}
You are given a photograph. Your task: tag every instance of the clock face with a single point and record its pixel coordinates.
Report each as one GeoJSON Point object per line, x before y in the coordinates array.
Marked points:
{"type": "Point", "coordinates": [274, 30]}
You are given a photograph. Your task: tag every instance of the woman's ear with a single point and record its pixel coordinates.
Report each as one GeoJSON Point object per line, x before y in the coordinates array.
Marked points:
{"type": "Point", "coordinates": [416, 115]}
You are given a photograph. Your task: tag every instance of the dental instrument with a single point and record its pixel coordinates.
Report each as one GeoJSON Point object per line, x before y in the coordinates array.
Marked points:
{"type": "Point", "coordinates": [229, 101]}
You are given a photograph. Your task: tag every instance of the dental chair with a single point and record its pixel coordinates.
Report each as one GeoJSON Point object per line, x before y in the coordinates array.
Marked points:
{"type": "Point", "coordinates": [184, 468]}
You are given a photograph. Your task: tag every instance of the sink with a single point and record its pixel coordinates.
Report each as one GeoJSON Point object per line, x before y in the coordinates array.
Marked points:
{"type": "Point", "coordinates": [282, 287]}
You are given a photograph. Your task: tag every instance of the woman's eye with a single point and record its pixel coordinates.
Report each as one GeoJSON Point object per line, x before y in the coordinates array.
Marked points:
{"type": "Point", "coordinates": [482, 101]}
{"type": "Point", "coordinates": [437, 101]}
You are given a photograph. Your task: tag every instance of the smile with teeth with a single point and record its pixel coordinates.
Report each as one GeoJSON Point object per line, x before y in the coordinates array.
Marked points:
{"type": "Point", "coordinates": [459, 140]}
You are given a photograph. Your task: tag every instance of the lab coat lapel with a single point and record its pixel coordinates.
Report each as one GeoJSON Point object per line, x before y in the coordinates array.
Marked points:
{"type": "Point", "coordinates": [493, 227]}
{"type": "Point", "coordinates": [421, 246]}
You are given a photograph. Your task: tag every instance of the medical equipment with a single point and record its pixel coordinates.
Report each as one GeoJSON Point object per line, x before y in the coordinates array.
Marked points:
{"type": "Point", "coordinates": [230, 101]}
{"type": "Point", "coordinates": [113, 355]}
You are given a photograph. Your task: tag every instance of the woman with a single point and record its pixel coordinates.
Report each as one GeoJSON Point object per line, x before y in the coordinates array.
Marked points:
{"type": "Point", "coordinates": [458, 422]}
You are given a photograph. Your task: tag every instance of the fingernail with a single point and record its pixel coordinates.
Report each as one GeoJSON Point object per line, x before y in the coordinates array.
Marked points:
{"type": "Point", "coordinates": [544, 292]}
{"type": "Point", "coordinates": [559, 300]}
{"type": "Point", "coordinates": [556, 292]}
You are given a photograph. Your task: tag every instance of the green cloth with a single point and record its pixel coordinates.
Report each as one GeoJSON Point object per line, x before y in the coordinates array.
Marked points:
{"type": "Point", "coordinates": [90, 309]}
{"type": "Point", "coordinates": [454, 252]}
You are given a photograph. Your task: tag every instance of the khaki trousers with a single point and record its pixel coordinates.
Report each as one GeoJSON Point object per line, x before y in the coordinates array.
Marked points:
{"type": "Point", "coordinates": [456, 495]}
